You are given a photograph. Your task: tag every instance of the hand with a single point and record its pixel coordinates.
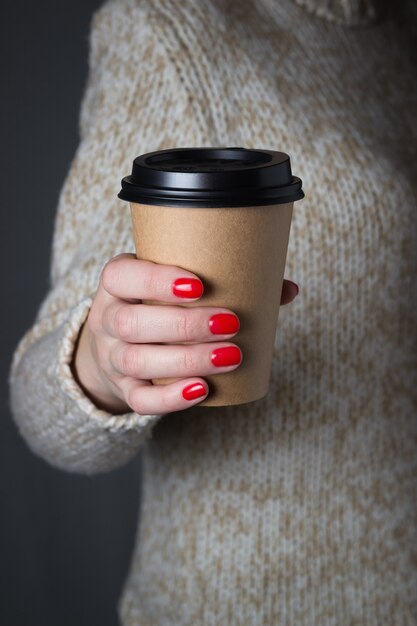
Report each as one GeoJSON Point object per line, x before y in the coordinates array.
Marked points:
{"type": "Point", "coordinates": [118, 353]}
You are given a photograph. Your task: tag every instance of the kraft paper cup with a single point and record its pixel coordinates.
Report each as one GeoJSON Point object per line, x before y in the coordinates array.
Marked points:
{"type": "Point", "coordinates": [239, 253]}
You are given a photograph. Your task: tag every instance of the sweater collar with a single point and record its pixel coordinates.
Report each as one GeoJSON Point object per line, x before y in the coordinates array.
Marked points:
{"type": "Point", "coordinates": [344, 12]}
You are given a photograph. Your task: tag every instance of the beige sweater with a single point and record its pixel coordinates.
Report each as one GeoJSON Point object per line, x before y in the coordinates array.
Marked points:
{"type": "Point", "coordinates": [298, 509]}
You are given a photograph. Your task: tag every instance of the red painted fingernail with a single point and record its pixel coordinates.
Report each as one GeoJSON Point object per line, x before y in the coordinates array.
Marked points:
{"type": "Point", "coordinates": [224, 324]}
{"type": "Point", "coordinates": [187, 288]}
{"type": "Point", "coordinates": [195, 390]}
{"type": "Point", "coordinates": [230, 355]}
{"type": "Point", "coordinates": [295, 285]}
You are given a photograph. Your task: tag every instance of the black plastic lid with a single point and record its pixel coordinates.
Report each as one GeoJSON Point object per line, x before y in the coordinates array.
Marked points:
{"type": "Point", "coordinates": [211, 177]}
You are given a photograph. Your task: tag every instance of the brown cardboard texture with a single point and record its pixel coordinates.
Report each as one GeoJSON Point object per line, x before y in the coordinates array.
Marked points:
{"type": "Point", "coordinates": [239, 253]}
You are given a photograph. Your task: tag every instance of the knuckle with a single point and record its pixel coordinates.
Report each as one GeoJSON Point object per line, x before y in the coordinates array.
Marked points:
{"type": "Point", "coordinates": [186, 325]}
{"type": "Point", "coordinates": [188, 361]}
{"type": "Point", "coordinates": [150, 276]}
{"type": "Point", "coordinates": [123, 322]}
{"type": "Point", "coordinates": [132, 361]}
{"type": "Point", "coordinates": [110, 274]}
{"type": "Point", "coordinates": [153, 281]}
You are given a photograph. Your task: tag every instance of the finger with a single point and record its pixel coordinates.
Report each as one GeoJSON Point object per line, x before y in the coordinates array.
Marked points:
{"type": "Point", "coordinates": [145, 362]}
{"type": "Point", "coordinates": [148, 399]}
{"type": "Point", "coordinates": [289, 291]}
{"type": "Point", "coordinates": [129, 278]}
{"type": "Point", "coordinates": [145, 323]}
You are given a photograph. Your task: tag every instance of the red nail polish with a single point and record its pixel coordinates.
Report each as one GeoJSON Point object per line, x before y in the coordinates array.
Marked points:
{"type": "Point", "coordinates": [187, 288]}
{"type": "Point", "coordinates": [195, 390]}
{"type": "Point", "coordinates": [230, 355]}
{"type": "Point", "coordinates": [224, 324]}
{"type": "Point", "coordinates": [295, 285]}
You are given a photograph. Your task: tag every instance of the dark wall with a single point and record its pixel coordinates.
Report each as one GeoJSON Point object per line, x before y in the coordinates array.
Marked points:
{"type": "Point", "coordinates": [65, 540]}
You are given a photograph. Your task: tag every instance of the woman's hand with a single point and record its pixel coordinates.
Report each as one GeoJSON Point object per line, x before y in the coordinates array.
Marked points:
{"type": "Point", "coordinates": [118, 351]}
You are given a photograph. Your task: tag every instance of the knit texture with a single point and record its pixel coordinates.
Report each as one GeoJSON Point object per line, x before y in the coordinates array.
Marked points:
{"type": "Point", "coordinates": [298, 509]}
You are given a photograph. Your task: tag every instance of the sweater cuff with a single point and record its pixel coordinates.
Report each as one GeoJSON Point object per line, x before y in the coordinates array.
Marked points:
{"type": "Point", "coordinates": [70, 387]}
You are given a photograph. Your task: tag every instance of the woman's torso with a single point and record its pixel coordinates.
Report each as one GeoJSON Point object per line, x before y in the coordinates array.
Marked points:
{"type": "Point", "coordinates": [299, 508]}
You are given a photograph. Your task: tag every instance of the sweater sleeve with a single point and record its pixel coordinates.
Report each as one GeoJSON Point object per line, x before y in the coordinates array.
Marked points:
{"type": "Point", "coordinates": [57, 420]}
{"type": "Point", "coordinates": [54, 416]}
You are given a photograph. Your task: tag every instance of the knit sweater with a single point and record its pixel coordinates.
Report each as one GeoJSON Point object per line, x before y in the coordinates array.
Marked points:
{"type": "Point", "coordinates": [298, 509]}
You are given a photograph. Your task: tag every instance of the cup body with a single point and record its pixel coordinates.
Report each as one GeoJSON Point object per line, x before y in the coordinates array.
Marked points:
{"type": "Point", "coordinates": [239, 253]}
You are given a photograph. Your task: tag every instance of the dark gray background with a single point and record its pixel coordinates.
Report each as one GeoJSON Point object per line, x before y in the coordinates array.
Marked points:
{"type": "Point", "coordinates": [65, 540]}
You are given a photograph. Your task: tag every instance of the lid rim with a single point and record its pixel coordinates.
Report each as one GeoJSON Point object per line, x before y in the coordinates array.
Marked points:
{"type": "Point", "coordinates": [207, 202]}
{"type": "Point", "coordinates": [216, 176]}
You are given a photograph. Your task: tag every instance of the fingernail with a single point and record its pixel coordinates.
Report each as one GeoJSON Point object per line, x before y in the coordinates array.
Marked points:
{"type": "Point", "coordinates": [224, 324]}
{"type": "Point", "coordinates": [195, 390]}
{"type": "Point", "coordinates": [187, 288]}
{"type": "Point", "coordinates": [295, 285]}
{"type": "Point", "coordinates": [230, 355]}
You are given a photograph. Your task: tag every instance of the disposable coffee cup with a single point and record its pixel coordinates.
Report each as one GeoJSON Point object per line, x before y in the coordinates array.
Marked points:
{"type": "Point", "coordinates": [223, 213]}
